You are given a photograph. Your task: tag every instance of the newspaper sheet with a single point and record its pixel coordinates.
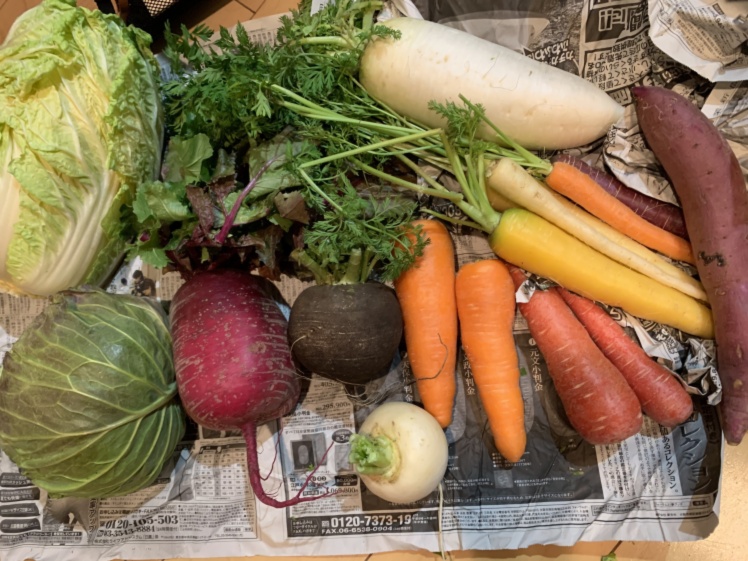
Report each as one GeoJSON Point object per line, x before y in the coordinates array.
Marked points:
{"type": "Point", "coordinates": [658, 485]}
{"type": "Point", "coordinates": [709, 37]}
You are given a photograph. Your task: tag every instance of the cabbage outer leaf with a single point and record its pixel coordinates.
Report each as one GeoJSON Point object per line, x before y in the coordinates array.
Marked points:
{"type": "Point", "coordinates": [88, 396]}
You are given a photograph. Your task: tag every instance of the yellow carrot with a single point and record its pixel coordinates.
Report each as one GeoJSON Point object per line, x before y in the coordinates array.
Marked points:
{"type": "Point", "coordinates": [536, 245]}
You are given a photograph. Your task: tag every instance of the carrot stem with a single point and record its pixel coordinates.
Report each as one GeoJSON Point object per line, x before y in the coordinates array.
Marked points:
{"type": "Point", "coordinates": [529, 159]}
{"type": "Point", "coordinates": [452, 220]}
{"type": "Point", "coordinates": [353, 270]}
{"type": "Point", "coordinates": [370, 147]}
{"type": "Point", "coordinates": [441, 193]}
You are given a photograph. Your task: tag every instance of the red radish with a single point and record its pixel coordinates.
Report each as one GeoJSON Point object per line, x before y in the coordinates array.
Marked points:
{"type": "Point", "coordinates": [661, 396]}
{"type": "Point", "coordinates": [599, 403]}
{"type": "Point", "coordinates": [706, 176]}
{"type": "Point", "coordinates": [664, 215]}
{"type": "Point", "coordinates": [232, 359]}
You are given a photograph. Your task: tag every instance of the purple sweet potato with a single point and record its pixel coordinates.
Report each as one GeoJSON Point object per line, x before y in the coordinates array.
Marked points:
{"type": "Point", "coordinates": [708, 180]}
{"type": "Point", "coordinates": [663, 215]}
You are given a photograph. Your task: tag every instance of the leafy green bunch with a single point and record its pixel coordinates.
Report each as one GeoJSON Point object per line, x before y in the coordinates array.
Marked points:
{"type": "Point", "coordinates": [361, 227]}
{"type": "Point", "coordinates": [246, 103]}
{"type": "Point", "coordinates": [217, 88]}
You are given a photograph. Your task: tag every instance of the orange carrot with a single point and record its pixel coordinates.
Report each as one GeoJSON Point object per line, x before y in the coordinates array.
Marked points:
{"type": "Point", "coordinates": [485, 306]}
{"type": "Point", "coordinates": [583, 190]}
{"type": "Point", "coordinates": [426, 293]}
{"type": "Point", "coordinates": [662, 397]}
{"type": "Point", "coordinates": [598, 401]}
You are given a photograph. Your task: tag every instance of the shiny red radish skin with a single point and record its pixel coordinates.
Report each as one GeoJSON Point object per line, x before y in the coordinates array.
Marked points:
{"type": "Point", "coordinates": [662, 397]}
{"type": "Point", "coordinates": [232, 359]}
{"type": "Point", "coordinates": [708, 180]}
{"type": "Point", "coordinates": [599, 403]}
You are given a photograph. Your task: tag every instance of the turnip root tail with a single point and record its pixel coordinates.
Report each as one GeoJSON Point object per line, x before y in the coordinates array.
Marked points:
{"type": "Point", "coordinates": [249, 430]}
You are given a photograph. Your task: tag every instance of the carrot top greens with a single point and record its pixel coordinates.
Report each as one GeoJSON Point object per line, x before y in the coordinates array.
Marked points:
{"type": "Point", "coordinates": [249, 176]}
{"type": "Point", "coordinates": [342, 173]}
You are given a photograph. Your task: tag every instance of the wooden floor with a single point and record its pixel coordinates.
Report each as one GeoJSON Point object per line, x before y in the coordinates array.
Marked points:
{"type": "Point", "coordinates": [213, 13]}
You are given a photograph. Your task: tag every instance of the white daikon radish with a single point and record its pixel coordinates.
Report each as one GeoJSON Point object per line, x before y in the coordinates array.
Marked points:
{"type": "Point", "coordinates": [538, 105]}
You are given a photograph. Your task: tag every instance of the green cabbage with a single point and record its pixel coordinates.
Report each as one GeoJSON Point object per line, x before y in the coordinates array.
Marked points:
{"type": "Point", "coordinates": [88, 395]}
{"type": "Point", "coordinates": [81, 125]}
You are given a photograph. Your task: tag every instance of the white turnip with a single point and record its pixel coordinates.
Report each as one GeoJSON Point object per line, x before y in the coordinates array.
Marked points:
{"type": "Point", "coordinates": [400, 452]}
{"type": "Point", "coordinates": [232, 359]}
{"type": "Point", "coordinates": [536, 104]}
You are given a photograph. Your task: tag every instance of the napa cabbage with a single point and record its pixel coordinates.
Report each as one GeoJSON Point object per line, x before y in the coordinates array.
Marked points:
{"type": "Point", "coordinates": [81, 126]}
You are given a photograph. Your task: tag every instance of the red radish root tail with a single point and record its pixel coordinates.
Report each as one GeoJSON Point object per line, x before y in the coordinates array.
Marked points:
{"type": "Point", "coordinates": [249, 430]}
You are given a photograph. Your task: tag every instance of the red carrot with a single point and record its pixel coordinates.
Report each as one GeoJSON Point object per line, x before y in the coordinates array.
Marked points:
{"type": "Point", "coordinates": [661, 396]}
{"type": "Point", "coordinates": [599, 403]}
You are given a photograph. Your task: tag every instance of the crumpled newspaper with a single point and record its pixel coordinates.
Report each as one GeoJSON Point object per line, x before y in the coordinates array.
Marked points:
{"type": "Point", "coordinates": [398, 8]}
{"type": "Point", "coordinates": [708, 37]}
